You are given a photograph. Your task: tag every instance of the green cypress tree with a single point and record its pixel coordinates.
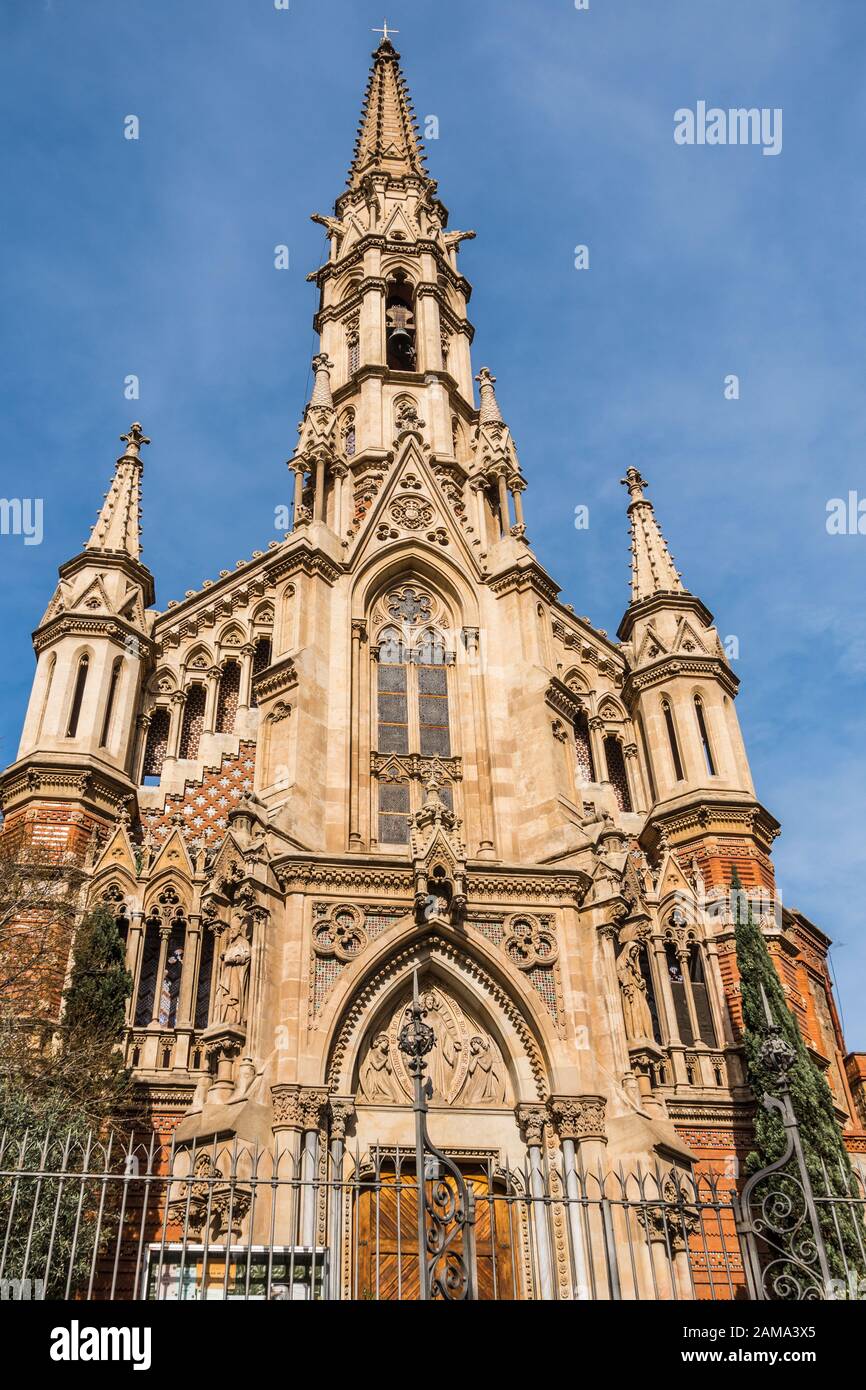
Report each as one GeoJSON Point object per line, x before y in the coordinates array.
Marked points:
{"type": "Point", "coordinates": [824, 1152]}
{"type": "Point", "coordinates": [100, 983]}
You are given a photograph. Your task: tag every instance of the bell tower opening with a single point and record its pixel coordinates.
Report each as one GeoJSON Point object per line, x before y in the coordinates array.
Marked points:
{"type": "Point", "coordinates": [400, 323]}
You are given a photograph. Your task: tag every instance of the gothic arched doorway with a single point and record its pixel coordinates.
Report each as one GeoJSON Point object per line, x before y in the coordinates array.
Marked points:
{"type": "Point", "coordinates": [474, 1085]}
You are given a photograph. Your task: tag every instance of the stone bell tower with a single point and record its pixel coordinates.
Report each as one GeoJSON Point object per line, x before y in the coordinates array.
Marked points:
{"type": "Point", "coordinates": [681, 690]}
{"type": "Point", "coordinates": [74, 766]}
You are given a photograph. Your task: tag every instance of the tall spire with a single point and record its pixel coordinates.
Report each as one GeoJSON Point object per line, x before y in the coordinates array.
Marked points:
{"type": "Point", "coordinates": [652, 567]}
{"type": "Point", "coordinates": [118, 526]}
{"type": "Point", "coordinates": [388, 140]}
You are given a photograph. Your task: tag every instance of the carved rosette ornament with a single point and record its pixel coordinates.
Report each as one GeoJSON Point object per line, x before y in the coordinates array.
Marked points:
{"type": "Point", "coordinates": [578, 1117]}
{"type": "Point", "coordinates": [338, 932]}
{"type": "Point", "coordinates": [413, 513]}
{"type": "Point", "coordinates": [529, 942]}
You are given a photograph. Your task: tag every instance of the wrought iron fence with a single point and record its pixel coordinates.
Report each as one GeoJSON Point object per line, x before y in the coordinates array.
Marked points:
{"type": "Point", "coordinates": [144, 1220]}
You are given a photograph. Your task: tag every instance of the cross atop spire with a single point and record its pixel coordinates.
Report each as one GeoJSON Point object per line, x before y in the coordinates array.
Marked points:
{"type": "Point", "coordinates": [118, 525]}
{"type": "Point", "coordinates": [385, 31]}
{"type": "Point", "coordinates": [388, 140]}
{"type": "Point", "coordinates": [652, 567]}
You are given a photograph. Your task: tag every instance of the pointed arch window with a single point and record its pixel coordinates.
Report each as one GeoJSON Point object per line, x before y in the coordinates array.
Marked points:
{"type": "Point", "coordinates": [193, 722]}
{"type": "Point", "coordinates": [647, 760]}
{"type": "Point", "coordinates": [77, 696]}
{"type": "Point", "coordinates": [433, 723]}
{"type": "Point", "coordinates": [583, 748]}
{"type": "Point", "coordinates": [348, 433]}
{"type": "Point", "coordinates": [616, 773]}
{"type": "Point", "coordinates": [700, 996]}
{"type": "Point", "coordinates": [705, 737]}
{"type": "Point", "coordinates": [205, 979]}
{"type": "Point", "coordinates": [109, 704]}
{"type": "Point", "coordinates": [157, 744]}
{"type": "Point", "coordinates": [412, 714]}
{"type": "Point", "coordinates": [147, 974]}
{"type": "Point", "coordinates": [52, 667]}
{"type": "Point", "coordinates": [672, 740]}
{"type": "Point", "coordinates": [227, 697]}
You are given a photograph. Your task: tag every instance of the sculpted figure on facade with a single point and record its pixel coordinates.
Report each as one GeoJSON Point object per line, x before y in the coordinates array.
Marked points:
{"type": "Point", "coordinates": [635, 1006]}
{"type": "Point", "coordinates": [233, 982]}
{"type": "Point", "coordinates": [377, 1079]}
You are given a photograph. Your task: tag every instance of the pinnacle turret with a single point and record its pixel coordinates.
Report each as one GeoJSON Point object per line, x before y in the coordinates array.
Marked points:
{"type": "Point", "coordinates": [652, 567]}
{"type": "Point", "coordinates": [118, 526]}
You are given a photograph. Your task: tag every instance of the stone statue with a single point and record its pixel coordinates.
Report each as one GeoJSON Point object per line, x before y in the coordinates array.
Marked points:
{"type": "Point", "coordinates": [234, 973]}
{"type": "Point", "coordinates": [635, 1006]}
{"type": "Point", "coordinates": [484, 1081]}
{"type": "Point", "coordinates": [377, 1077]}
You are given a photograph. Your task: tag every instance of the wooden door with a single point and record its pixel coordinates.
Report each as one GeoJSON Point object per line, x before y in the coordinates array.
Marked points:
{"type": "Point", "coordinates": [386, 1252]}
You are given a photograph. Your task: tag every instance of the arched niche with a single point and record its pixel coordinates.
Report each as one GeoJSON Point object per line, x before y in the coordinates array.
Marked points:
{"type": "Point", "coordinates": [467, 1001]}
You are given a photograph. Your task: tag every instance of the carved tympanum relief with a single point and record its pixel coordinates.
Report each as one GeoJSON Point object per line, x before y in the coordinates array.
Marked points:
{"type": "Point", "coordinates": [466, 1066]}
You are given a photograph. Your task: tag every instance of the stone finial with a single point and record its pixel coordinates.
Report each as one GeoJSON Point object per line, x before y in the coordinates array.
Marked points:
{"type": "Point", "coordinates": [133, 440]}
{"type": "Point", "coordinates": [489, 412]}
{"type": "Point", "coordinates": [321, 398]}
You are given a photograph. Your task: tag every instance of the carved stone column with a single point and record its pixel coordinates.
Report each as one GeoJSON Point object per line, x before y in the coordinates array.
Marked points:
{"type": "Point", "coordinates": [532, 1119]}
{"type": "Point", "coordinates": [477, 486]}
{"type": "Point", "coordinates": [340, 473]}
{"type": "Point", "coordinates": [596, 739]}
{"type": "Point", "coordinates": [247, 653]}
{"type": "Point", "coordinates": [504, 510]}
{"type": "Point", "coordinates": [178, 701]}
{"type": "Point", "coordinates": [212, 682]}
{"type": "Point", "coordinates": [635, 777]}
{"type": "Point", "coordinates": [471, 637]}
{"type": "Point", "coordinates": [359, 637]}
{"type": "Point", "coordinates": [319, 495]}
{"type": "Point", "coordinates": [133, 957]}
{"type": "Point", "coordinates": [312, 1103]}
{"type": "Point", "coordinates": [164, 934]}
{"type": "Point", "coordinates": [299, 470]}
{"type": "Point", "coordinates": [579, 1122]}
{"type": "Point", "coordinates": [341, 1110]}
{"type": "Point", "coordinates": [516, 490]}
{"type": "Point", "coordinates": [142, 724]}
{"type": "Point", "coordinates": [189, 973]}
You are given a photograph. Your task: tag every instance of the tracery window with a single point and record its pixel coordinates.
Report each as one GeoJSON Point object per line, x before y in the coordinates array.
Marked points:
{"type": "Point", "coordinates": [690, 994]}
{"type": "Point", "coordinates": [157, 743]}
{"type": "Point", "coordinates": [583, 748]}
{"type": "Point", "coordinates": [616, 773]}
{"type": "Point", "coordinates": [193, 722]}
{"type": "Point", "coordinates": [227, 698]}
{"type": "Point", "coordinates": [672, 740]}
{"type": "Point", "coordinates": [412, 705]}
{"type": "Point", "coordinates": [348, 432]}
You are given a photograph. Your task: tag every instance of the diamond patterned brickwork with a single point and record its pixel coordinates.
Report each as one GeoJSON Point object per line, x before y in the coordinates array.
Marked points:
{"type": "Point", "coordinates": [205, 805]}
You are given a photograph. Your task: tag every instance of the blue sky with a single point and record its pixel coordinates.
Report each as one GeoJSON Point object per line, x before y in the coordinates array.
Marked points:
{"type": "Point", "coordinates": [155, 257]}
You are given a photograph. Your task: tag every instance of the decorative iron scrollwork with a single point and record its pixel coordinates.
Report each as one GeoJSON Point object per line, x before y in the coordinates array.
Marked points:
{"type": "Point", "coordinates": [446, 1202]}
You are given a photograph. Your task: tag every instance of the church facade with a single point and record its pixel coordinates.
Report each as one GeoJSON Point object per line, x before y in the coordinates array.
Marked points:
{"type": "Point", "coordinates": [383, 746]}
